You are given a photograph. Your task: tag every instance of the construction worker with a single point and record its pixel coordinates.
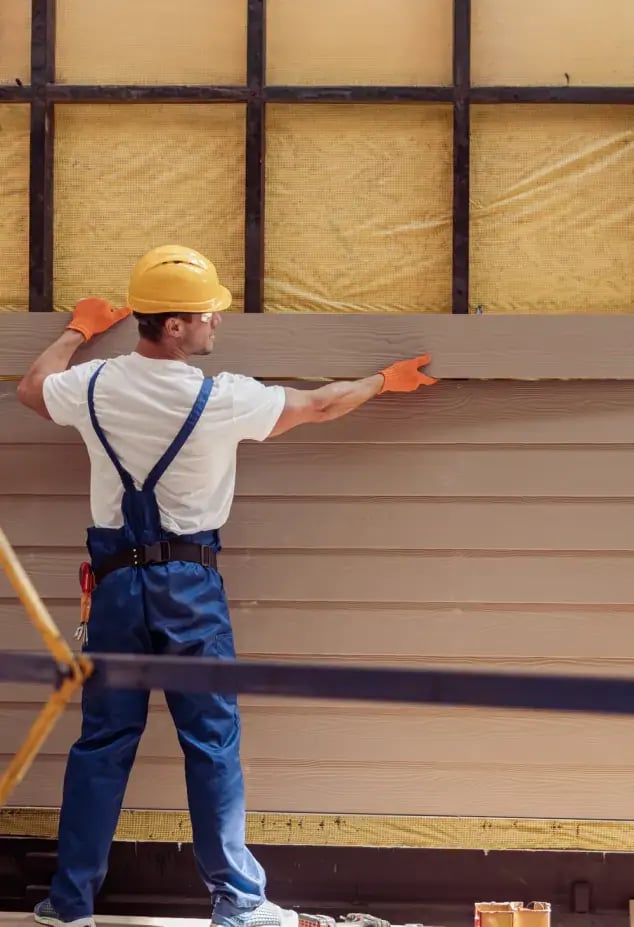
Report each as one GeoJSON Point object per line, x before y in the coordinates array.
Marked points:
{"type": "Point", "coordinates": [162, 442]}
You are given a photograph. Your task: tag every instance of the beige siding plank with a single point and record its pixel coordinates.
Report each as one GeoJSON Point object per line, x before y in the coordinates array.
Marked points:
{"type": "Point", "coordinates": [33, 694]}
{"type": "Point", "coordinates": [450, 413]}
{"type": "Point", "coordinates": [368, 576]}
{"type": "Point", "coordinates": [295, 730]}
{"type": "Point", "coordinates": [372, 524]}
{"type": "Point", "coordinates": [541, 637]}
{"type": "Point", "coordinates": [340, 470]}
{"type": "Point", "coordinates": [43, 469]}
{"type": "Point", "coordinates": [354, 345]}
{"type": "Point", "coordinates": [411, 470]}
{"type": "Point", "coordinates": [378, 788]}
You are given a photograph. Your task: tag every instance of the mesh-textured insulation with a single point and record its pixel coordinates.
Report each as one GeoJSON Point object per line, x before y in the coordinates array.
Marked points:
{"type": "Point", "coordinates": [14, 205]}
{"type": "Point", "coordinates": [151, 41]}
{"type": "Point", "coordinates": [358, 198]}
{"type": "Point", "coordinates": [552, 42]}
{"type": "Point", "coordinates": [358, 210]}
{"type": "Point", "coordinates": [355, 830]}
{"type": "Point", "coordinates": [359, 42]}
{"type": "Point", "coordinates": [552, 209]}
{"type": "Point", "coordinates": [129, 178]}
{"type": "Point", "coordinates": [15, 41]}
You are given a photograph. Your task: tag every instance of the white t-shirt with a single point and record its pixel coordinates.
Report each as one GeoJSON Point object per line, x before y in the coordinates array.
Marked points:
{"type": "Point", "coordinates": [141, 405]}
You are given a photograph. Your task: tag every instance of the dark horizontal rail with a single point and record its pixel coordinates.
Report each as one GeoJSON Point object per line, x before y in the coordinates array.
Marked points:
{"type": "Point", "coordinates": [170, 93]}
{"type": "Point", "coordinates": [354, 94]}
{"type": "Point", "coordinates": [358, 683]}
{"type": "Point", "coordinates": [552, 94]}
{"type": "Point", "coordinates": [12, 93]}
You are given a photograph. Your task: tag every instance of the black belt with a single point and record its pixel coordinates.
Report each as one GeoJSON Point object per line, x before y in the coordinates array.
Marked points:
{"type": "Point", "coordinates": [161, 552]}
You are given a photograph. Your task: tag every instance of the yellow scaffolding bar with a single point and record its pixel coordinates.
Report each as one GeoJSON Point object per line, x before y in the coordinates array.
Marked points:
{"type": "Point", "coordinates": [74, 670]}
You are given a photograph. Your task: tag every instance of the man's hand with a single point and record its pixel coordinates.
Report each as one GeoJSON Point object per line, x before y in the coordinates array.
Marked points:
{"type": "Point", "coordinates": [405, 377]}
{"type": "Point", "coordinates": [93, 315]}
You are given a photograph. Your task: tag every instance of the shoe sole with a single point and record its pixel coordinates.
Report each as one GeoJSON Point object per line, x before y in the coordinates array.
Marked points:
{"type": "Point", "coordinates": [56, 922]}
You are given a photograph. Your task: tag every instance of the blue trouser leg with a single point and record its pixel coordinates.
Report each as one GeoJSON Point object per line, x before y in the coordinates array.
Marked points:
{"type": "Point", "coordinates": [208, 727]}
{"type": "Point", "coordinates": [96, 777]}
{"type": "Point", "coordinates": [209, 734]}
{"type": "Point", "coordinates": [99, 763]}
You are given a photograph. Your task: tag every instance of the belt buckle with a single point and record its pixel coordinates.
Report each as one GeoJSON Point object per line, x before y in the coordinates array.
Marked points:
{"type": "Point", "coordinates": [160, 552]}
{"type": "Point", "coordinates": [206, 556]}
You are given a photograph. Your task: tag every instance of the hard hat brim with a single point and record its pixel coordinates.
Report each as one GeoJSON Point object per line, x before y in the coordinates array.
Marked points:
{"type": "Point", "coordinates": [153, 307]}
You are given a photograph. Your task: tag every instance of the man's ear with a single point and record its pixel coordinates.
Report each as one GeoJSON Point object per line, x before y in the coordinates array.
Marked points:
{"type": "Point", "coordinates": [172, 326]}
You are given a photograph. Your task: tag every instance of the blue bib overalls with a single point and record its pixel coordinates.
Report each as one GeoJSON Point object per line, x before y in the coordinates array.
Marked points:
{"type": "Point", "coordinates": [163, 608]}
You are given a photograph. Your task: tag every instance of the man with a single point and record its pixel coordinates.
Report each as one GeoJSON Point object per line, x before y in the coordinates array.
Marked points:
{"type": "Point", "coordinates": [162, 441]}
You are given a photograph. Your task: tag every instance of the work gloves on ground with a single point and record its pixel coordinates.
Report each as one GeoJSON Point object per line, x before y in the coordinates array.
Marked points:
{"type": "Point", "coordinates": [405, 377]}
{"type": "Point", "coordinates": [93, 315]}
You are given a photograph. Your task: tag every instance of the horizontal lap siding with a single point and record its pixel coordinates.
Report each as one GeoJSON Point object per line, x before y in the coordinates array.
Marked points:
{"type": "Point", "coordinates": [347, 345]}
{"type": "Point", "coordinates": [478, 525]}
{"type": "Point", "coordinates": [454, 414]}
{"type": "Point", "coordinates": [381, 785]}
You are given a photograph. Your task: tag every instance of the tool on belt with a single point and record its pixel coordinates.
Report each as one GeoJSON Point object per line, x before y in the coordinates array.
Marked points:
{"type": "Point", "coordinates": [87, 584]}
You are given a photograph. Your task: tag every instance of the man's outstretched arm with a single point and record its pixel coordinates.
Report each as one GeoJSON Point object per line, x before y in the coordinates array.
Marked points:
{"type": "Point", "coordinates": [338, 399]}
{"type": "Point", "coordinates": [90, 317]}
{"type": "Point", "coordinates": [54, 359]}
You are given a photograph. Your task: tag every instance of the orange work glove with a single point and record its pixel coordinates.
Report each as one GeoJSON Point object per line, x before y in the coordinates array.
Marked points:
{"type": "Point", "coordinates": [405, 377]}
{"type": "Point", "coordinates": [94, 315]}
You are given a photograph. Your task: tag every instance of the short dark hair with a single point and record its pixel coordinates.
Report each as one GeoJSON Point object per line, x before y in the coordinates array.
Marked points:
{"type": "Point", "coordinates": [151, 325]}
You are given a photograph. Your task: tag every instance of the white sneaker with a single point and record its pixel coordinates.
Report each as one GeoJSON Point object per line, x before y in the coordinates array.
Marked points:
{"type": "Point", "coordinates": [45, 913]}
{"type": "Point", "coordinates": [265, 915]}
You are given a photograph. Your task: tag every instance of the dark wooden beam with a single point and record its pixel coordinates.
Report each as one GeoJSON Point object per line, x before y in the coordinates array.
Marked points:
{"type": "Point", "coordinates": [14, 93]}
{"type": "Point", "coordinates": [461, 156]}
{"type": "Point", "coordinates": [175, 93]}
{"type": "Point", "coordinates": [359, 94]}
{"type": "Point", "coordinates": [255, 155]}
{"type": "Point", "coordinates": [552, 95]}
{"type": "Point", "coordinates": [170, 93]}
{"type": "Point", "coordinates": [42, 157]}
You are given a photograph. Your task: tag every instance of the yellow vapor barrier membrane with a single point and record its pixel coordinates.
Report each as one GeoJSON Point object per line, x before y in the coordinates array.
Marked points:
{"type": "Point", "coordinates": [77, 670]}
{"type": "Point", "coordinates": [359, 208]}
{"type": "Point", "coordinates": [359, 42]}
{"type": "Point", "coordinates": [278, 829]}
{"type": "Point", "coordinates": [129, 178]}
{"type": "Point", "coordinates": [14, 205]}
{"type": "Point", "coordinates": [119, 42]}
{"type": "Point", "coordinates": [552, 211]}
{"type": "Point", "coordinates": [552, 42]}
{"type": "Point", "coordinates": [15, 41]}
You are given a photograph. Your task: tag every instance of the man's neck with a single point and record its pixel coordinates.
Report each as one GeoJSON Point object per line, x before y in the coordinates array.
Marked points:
{"type": "Point", "coordinates": [156, 351]}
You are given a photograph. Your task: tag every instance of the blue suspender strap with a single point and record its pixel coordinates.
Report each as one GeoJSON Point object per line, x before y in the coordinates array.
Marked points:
{"type": "Point", "coordinates": [188, 426]}
{"type": "Point", "coordinates": [126, 479]}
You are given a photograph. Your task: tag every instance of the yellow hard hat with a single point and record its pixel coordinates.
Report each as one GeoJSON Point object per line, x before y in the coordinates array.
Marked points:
{"type": "Point", "coordinates": [176, 279]}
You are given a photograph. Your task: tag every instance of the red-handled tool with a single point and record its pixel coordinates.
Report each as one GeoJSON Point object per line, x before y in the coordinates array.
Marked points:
{"type": "Point", "coordinates": [87, 583]}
